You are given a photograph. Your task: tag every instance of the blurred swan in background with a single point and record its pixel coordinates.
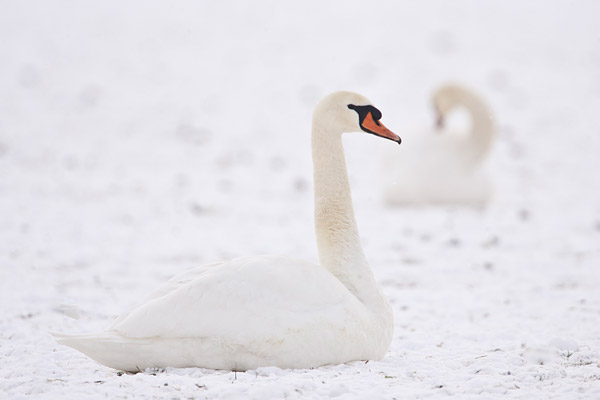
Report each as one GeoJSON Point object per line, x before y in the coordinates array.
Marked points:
{"type": "Point", "coordinates": [269, 310]}
{"type": "Point", "coordinates": [441, 165]}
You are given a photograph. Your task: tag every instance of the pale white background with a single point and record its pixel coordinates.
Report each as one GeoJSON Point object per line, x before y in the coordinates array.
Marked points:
{"type": "Point", "coordinates": [138, 139]}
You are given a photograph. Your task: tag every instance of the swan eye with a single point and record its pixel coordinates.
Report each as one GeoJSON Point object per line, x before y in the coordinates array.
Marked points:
{"type": "Point", "coordinates": [363, 111]}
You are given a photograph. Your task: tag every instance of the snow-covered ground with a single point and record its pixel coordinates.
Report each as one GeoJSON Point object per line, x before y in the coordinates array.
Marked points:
{"type": "Point", "coordinates": [138, 139]}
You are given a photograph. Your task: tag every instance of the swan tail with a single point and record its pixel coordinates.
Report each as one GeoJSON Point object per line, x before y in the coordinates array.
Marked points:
{"type": "Point", "coordinates": [112, 350]}
{"type": "Point", "coordinates": [123, 353]}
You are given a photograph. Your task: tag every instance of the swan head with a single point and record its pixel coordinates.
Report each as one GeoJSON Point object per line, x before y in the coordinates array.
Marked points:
{"type": "Point", "coordinates": [445, 98]}
{"type": "Point", "coordinates": [342, 112]}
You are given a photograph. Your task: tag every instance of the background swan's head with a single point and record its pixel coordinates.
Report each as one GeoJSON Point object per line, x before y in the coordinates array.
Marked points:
{"type": "Point", "coordinates": [448, 97]}
{"type": "Point", "coordinates": [342, 112]}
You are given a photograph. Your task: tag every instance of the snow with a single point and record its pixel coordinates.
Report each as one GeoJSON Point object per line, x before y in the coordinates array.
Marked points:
{"type": "Point", "coordinates": [140, 139]}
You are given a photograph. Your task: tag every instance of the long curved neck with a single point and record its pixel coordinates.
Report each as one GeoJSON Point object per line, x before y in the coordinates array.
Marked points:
{"type": "Point", "coordinates": [482, 132]}
{"type": "Point", "coordinates": [338, 241]}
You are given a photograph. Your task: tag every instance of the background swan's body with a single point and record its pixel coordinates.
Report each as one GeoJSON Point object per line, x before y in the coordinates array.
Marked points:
{"type": "Point", "coordinates": [442, 166]}
{"type": "Point", "coordinates": [268, 310]}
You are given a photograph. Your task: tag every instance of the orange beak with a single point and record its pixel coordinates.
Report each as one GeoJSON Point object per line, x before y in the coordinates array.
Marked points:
{"type": "Point", "coordinates": [377, 128]}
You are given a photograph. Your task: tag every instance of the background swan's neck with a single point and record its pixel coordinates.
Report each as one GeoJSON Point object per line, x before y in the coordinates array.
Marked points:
{"type": "Point", "coordinates": [338, 241]}
{"type": "Point", "coordinates": [482, 132]}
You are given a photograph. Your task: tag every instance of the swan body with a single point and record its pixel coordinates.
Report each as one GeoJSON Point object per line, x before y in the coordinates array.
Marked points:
{"type": "Point", "coordinates": [269, 310]}
{"type": "Point", "coordinates": [442, 166]}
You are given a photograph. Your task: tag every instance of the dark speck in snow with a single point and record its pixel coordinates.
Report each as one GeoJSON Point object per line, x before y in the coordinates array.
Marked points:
{"type": "Point", "coordinates": [454, 242]}
{"type": "Point", "coordinates": [300, 185]}
{"type": "Point", "coordinates": [524, 215]}
{"type": "Point", "coordinates": [197, 209]}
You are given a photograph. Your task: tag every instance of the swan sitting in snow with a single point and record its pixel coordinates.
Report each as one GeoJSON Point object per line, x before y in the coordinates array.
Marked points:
{"type": "Point", "coordinates": [441, 166]}
{"type": "Point", "coordinates": [269, 310]}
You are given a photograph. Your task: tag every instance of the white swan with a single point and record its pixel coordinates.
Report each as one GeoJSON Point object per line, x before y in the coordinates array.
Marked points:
{"type": "Point", "coordinates": [441, 166]}
{"type": "Point", "coordinates": [269, 310]}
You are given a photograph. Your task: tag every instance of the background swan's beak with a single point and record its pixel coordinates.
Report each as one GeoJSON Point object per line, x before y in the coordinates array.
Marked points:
{"type": "Point", "coordinates": [377, 128]}
{"type": "Point", "coordinates": [439, 117]}
{"type": "Point", "coordinates": [439, 121]}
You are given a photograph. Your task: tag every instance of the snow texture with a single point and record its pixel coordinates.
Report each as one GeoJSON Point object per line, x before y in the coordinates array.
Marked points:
{"type": "Point", "coordinates": [139, 139]}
